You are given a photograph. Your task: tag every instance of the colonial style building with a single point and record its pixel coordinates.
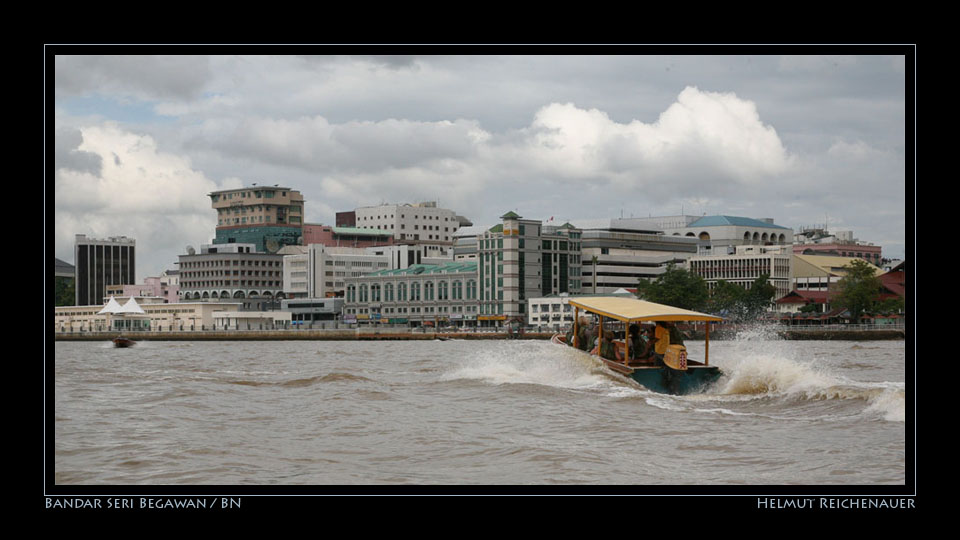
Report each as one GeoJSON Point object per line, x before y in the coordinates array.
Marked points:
{"type": "Point", "coordinates": [421, 294]}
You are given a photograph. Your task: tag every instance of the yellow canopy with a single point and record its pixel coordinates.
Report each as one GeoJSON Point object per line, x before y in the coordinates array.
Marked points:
{"type": "Point", "coordinates": [632, 309]}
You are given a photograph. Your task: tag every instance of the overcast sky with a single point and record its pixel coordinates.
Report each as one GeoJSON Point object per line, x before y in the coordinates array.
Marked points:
{"type": "Point", "coordinates": [806, 140]}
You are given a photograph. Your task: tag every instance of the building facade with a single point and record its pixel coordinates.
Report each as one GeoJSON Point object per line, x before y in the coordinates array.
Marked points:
{"type": "Point", "coordinates": [232, 272]}
{"type": "Point", "coordinates": [155, 287]}
{"type": "Point", "coordinates": [819, 241]}
{"type": "Point", "coordinates": [420, 223]}
{"type": "Point", "coordinates": [419, 295]}
{"type": "Point", "coordinates": [820, 273]}
{"type": "Point", "coordinates": [617, 253]}
{"type": "Point", "coordinates": [345, 236]}
{"type": "Point", "coordinates": [99, 263]}
{"type": "Point", "coordinates": [719, 235]}
{"type": "Point", "coordinates": [158, 316]}
{"type": "Point", "coordinates": [268, 217]}
{"type": "Point", "coordinates": [745, 265]}
{"type": "Point", "coordinates": [318, 271]}
{"type": "Point", "coordinates": [522, 258]}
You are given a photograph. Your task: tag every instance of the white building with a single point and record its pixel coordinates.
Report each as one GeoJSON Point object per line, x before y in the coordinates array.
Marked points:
{"type": "Point", "coordinates": [718, 235]}
{"type": "Point", "coordinates": [420, 223]}
{"type": "Point", "coordinates": [627, 250]}
{"type": "Point", "coordinates": [156, 315]}
{"type": "Point", "coordinates": [745, 265]}
{"type": "Point", "coordinates": [318, 271]}
{"type": "Point", "coordinates": [554, 311]}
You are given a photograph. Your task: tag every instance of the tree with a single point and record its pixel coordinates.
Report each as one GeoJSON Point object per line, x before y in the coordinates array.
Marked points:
{"type": "Point", "coordinates": [63, 291]}
{"type": "Point", "coordinates": [859, 289]}
{"type": "Point", "coordinates": [675, 287]}
{"type": "Point", "coordinates": [758, 298]}
{"type": "Point", "coordinates": [741, 304]}
{"type": "Point", "coordinates": [726, 297]}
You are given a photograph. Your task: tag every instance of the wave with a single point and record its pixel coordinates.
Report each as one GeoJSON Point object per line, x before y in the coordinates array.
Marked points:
{"type": "Point", "coordinates": [308, 381]}
{"type": "Point", "coordinates": [774, 375]}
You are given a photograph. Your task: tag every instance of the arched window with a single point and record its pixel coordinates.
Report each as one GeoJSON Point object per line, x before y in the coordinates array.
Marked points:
{"type": "Point", "coordinates": [415, 292]}
{"type": "Point", "coordinates": [471, 290]}
{"type": "Point", "coordinates": [457, 290]}
{"type": "Point", "coordinates": [364, 297]}
{"type": "Point", "coordinates": [375, 292]}
{"type": "Point", "coordinates": [442, 291]}
{"type": "Point", "coordinates": [388, 292]}
{"type": "Point", "coordinates": [351, 293]}
{"type": "Point", "coordinates": [401, 292]}
{"type": "Point", "coordinates": [428, 291]}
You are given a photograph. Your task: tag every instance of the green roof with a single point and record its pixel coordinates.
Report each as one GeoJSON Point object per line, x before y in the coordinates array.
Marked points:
{"type": "Point", "coordinates": [446, 268]}
{"type": "Point", "coordinates": [719, 221]}
{"type": "Point", "coordinates": [496, 228]}
{"type": "Point", "coordinates": [510, 215]}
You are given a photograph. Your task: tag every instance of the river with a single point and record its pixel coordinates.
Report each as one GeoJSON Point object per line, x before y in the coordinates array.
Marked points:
{"type": "Point", "coordinates": [335, 413]}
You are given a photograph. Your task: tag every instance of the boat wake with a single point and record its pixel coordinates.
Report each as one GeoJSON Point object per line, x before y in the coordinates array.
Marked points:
{"type": "Point", "coordinates": [787, 380]}
{"type": "Point", "coordinates": [534, 363]}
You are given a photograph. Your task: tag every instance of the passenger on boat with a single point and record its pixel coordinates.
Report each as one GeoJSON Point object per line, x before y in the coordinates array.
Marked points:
{"type": "Point", "coordinates": [585, 339]}
{"type": "Point", "coordinates": [643, 353]}
{"type": "Point", "coordinates": [661, 340]}
{"type": "Point", "coordinates": [636, 339]}
{"type": "Point", "coordinates": [607, 349]}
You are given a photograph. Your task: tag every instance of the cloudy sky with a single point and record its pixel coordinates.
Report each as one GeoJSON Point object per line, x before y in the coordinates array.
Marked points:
{"type": "Point", "coordinates": [806, 140]}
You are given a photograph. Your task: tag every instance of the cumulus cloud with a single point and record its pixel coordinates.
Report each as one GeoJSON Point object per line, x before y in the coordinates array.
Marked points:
{"type": "Point", "coordinates": [703, 136]}
{"type": "Point", "coordinates": [137, 191]}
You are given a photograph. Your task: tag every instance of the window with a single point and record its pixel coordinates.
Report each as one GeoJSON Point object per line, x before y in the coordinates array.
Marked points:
{"type": "Point", "coordinates": [471, 290]}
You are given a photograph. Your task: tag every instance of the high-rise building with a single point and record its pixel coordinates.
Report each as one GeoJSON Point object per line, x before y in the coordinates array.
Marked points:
{"type": "Point", "coordinates": [522, 258]}
{"type": "Point", "coordinates": [269, 217]}
{"type": "Point", "coordinates": [102, 262]}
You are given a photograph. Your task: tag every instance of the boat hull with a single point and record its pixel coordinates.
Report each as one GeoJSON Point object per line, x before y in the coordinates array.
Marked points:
{"type": "Point", "coordinates": [662, 379]}
{"type": "Point", "coordinates": [123, 343]}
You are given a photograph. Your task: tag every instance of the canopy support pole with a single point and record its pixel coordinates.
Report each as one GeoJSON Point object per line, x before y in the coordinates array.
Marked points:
{"type": "Point", "coordinates": [576, 327]}
{"type": "Point", "coordinates": [706, 351]}
{"type": "Point", "coordinates": [626, 343]}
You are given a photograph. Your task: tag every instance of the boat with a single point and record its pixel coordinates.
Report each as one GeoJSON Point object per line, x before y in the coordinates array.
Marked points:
{"type": "Point", "coordinates": [122, 342]}
{"type": "Point", "coordinates": [677, 374]}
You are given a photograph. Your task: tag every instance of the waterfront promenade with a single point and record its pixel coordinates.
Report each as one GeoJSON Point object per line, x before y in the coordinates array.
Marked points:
{"type": "Point", "coordinates": [838, 332]}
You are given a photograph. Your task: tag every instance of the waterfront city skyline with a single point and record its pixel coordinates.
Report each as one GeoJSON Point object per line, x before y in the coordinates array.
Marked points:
{"type": "Point", "coordinates": [805, 140]}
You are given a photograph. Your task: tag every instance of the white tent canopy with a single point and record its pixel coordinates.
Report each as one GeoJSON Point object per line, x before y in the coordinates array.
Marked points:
{"type": "Point", "coordinates": [131, 307]}
{"type": "Point", "coordinates": [112, 307]}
